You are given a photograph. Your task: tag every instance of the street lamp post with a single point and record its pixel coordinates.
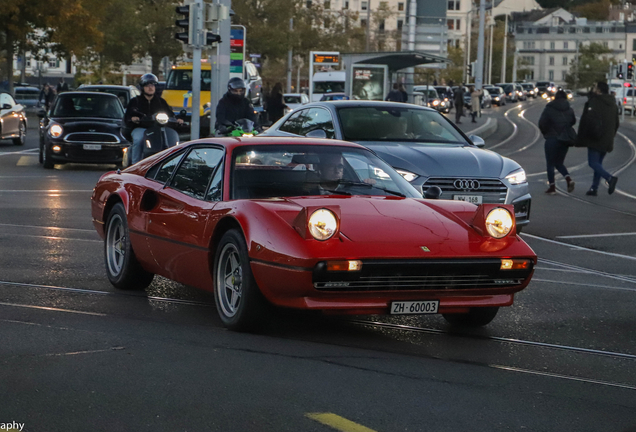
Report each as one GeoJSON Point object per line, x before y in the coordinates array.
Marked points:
{"type": "Point", "coordinates": [505, 41]}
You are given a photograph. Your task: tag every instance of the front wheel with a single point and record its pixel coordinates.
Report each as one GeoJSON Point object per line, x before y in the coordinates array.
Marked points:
{"type": "Point", "coordinates": [239, 302]}
{"type": "Point", "coordinates": [21, 139]}
{"type": "Point", "coordinates": [45, 157]}
{"type": "Point", "coordinates": [477, 317]}
{"type": "Point", "coordinates": [122, 267]}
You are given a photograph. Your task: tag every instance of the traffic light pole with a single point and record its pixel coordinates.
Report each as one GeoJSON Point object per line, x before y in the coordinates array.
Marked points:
{"type": "Point", "coordinates": [195, 119]}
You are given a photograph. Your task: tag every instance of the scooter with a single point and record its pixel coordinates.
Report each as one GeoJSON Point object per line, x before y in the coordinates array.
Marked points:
{"type": "Point", "coordinates": [160, 134]}
{"type": "Point", "coordinates": [240, 128]}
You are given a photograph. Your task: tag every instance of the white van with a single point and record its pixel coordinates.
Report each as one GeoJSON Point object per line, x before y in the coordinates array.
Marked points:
{"type": "Point", "coordinates": [327, 82]}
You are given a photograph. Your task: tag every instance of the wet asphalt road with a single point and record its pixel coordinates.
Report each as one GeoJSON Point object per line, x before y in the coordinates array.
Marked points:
{"type": "Point", "coordinates": [78, 355]}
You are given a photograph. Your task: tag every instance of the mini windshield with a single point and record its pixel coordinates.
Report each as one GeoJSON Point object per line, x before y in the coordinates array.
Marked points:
{"type": "Point", "coordinates": [261, 172]}
{"type": "Point", "coordinates": [291, 99]}
{"type": "Point", "coordinates": [397, 124]}
{"type": "Point", "coordinates": [26, 94]}
{"type": "Point", "coordinates": [181, 79]}
{"type": "Point", "coordinates": [82, 105]}
{"type": "Point", "coordinates": [494, 90]}
{"type": "Point", "coordinates": [508, 88]}
{"type": "Point", "coordinates": [328, 87]}
{"type": "Point", "coordinates": [543, 83]}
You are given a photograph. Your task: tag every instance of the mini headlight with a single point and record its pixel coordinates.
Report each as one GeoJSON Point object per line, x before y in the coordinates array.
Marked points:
{"type": "Point", "coordinates": [408, 176]}
{"type": "Point", "coordinates": [162, 118]}
{"type": "Point", "coordinates": [435, 103]}
{"type": "Point", "coordinates": [322, 224]}
{"type": "Point", "coordinates": [517, 177]}
{"type": "Point", "coordinates": [499, 222]}
{"type": "Point", "coordinates": [55, 130]}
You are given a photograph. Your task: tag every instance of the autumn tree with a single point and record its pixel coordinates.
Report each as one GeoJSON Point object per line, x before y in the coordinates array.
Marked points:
{"type": "Point", "coordinates": [590, 67]}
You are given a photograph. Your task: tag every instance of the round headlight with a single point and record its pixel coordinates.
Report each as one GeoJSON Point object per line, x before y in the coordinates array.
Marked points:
{"type": "Point", "coordinates": [162, 118]}
{"type": "Point", "coordinates": [55, 130]}
{"type": "Point", "coordinates": [322, 224]}
{"type": "Point", "coordinates": [499, 222]}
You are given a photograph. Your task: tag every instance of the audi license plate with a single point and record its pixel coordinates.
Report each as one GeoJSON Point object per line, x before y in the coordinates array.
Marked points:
{"type": "Point", "coordinates": [92, 147]}
{"type": "Point", "coordinates": [414, 307]}
{"type": "Point", "coordinates": [473, 199]}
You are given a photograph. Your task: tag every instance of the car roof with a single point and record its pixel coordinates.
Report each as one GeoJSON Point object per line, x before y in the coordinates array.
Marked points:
{"type": "Point", "coordinates": [86, 93]}
{"type": "Point", "coordinates": [104, 86]}
{"type": "Point", "coordinates": [363, 103]}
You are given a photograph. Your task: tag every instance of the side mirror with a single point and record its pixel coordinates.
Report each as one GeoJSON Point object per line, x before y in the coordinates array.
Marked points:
{"type": "Point", "coordinates": [478, 141]}
{"type": "Point", "coordinates": [434, 192]}
{"type": "Point", "coordinates": [317, 133]}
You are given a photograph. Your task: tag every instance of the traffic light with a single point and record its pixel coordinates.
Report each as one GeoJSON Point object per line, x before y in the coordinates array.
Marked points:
{"type": "Point", "coordinates": [469, 69]}
{"type": "Point", "coordinates": [620, 74]}
{"type": "Point", "coordinates": [187, 24]}
{"type": "Point", "coordinates": [211, 38]}
{"type": "Point", "coordinates": [213, 14]}
{"type": "Point", "coordinates": [630, 71]}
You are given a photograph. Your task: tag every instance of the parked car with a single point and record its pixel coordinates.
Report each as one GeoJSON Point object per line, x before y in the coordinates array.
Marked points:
{"type": "Point", "coordinates": [13, 120]}
{"type": "Point", "coordinates": [83, 127]}
{"type": "Point", "coordinates": [422, 144]}
{"type": "Point", "coordinates": [305, 224]}
{"type": "Point", "coordinates": [295, 100]}
{"type": "Point", "coordinates": [28, 97]}
{"type": "Point", "coordinates": [497, 95]}
{"type": "Point", "coordinates": [124, 93]}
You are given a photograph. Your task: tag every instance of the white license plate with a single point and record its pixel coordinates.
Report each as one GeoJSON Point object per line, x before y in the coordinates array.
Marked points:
{"type": "Point", "coordinates": [92, 147]}
{"type": "Point", "coordinates": [473, 199]}
{"type": "Point", "coordinates": [414, 307]}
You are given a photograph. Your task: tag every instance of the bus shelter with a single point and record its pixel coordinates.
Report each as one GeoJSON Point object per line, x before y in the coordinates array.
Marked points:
{"type": "Point", "coordinates": [369, 75]}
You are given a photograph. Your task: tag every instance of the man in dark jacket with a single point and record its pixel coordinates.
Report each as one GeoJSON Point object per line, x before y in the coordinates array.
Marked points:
{"type": "Point", "coordinates": [598, 126]}
{"type": "Point", "coordinates": [556, 119]}
{"type": "Point", "coordinates": [459, 103]}
{"type": "Point", "coordinates": [234, 106]}
{"type": "Point", "coordinates": [395, 95]}
{"type": "Point", "coordinates": [146, 104]}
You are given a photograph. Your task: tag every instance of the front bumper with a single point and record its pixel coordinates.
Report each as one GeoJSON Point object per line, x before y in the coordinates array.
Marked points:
{"type": "Point", "coordinates": [87, 152]}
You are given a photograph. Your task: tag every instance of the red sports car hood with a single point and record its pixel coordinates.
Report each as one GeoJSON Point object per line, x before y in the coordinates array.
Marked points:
{"type": "Point", "coordinates": [391, 220]}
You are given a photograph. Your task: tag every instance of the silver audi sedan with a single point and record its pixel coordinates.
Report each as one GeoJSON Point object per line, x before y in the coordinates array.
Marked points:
{"type": "Point", "coordinates": [422, 145]}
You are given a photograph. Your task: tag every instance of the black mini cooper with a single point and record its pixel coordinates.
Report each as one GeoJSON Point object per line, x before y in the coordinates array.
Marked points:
{"type": "Point", "coordinates": [83, 127]}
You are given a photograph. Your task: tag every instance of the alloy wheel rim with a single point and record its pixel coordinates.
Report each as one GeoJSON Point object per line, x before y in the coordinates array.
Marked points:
{"type": "Point", "coordinates": [22, 134]}
{"type": "Point", "coordinates": [115, 245]}
{"type": "Point", "coordinates": [229, 280]}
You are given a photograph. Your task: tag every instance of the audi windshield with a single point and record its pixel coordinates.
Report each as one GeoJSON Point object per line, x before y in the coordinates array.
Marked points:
{"type": "Point", "coordinates": [397, 124]}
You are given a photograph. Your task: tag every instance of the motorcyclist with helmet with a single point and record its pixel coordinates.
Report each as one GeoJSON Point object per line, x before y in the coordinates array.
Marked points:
{"type": "Point", "coordinates": [147, 103]}
{"type": "Point", "coordinates": [234, 106]}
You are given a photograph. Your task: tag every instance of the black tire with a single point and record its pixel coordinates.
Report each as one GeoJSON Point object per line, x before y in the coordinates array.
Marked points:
{"type": "Point", "coordinates": [477, 317]}
{"type": "Point", "coordinates": [21, 139]}
{"type": "Point", "coordinates": [122, 267]}
{"type": "Point", "coordinates": [239, 301]}
{"type": "Point", "coordinates": [45, 157]}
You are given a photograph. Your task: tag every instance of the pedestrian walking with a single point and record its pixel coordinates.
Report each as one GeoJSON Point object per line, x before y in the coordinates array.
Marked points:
{"type": "Point", "coordinates": [61, 86]}
{"type": "Point", "coordinates": [598, 126]}
{"type": "Point", "coordinates": [395, 95]}
{"type": "Point", "coordinates": [459, 104]}
{"type": "Point", "coordinates": [47, 96]}
{"type": "Point", "coordinates": [276, 103]}
{"type": "Point", "coordinates": [405, 95]}
{"type": "Point", "coordinates": [555, 123]}
{"type": "Point", "coordinates": [475, 102]}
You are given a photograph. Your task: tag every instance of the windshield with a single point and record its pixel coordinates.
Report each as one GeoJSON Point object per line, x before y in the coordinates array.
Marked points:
{"type": "Point", "coordinates": [181, 79]}
{"type": "Point", "coordinates": [397, 124]}
{"type": "Point", "coordinates": [121, 94]}
{"type": "Point", "coordinates": [291, 99]}
{"type": "Point", "coordinates": [328, 86]}
{"type": "Point", "coordinates": [99, 105]}
{"type": "Point", "coordinates": [431, 94]}
{"type": "Point", "coordinates": [507, 87]}
{"type": "Point", "coordinates": [24, 94]}
{"type": "Point", "coordinates": [261, 172]}
{"type": "Point", "coordinates": [494, 90]}
{"type": "Point", "coordinates": [543, 83]}
{"type": "Point", "coordinates": [527, 86]}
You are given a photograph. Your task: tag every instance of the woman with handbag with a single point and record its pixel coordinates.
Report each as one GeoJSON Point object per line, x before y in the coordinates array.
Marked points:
{"type": "Point", "coordinates": [556, 124]}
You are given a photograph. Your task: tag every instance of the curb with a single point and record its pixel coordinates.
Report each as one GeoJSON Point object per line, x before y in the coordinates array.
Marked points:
{"type": "Point", "coordinates": [485, 130]}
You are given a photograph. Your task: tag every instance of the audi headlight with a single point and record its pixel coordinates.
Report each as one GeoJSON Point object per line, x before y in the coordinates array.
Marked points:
{"type": "Point", "coordinates": [499, 222]}
{"type": "Point", "coordinates": [55, 130]}
{"type": "Point", "coordinates": [322, 224]}
{"type": "Point", "coordinates": [162, 118]}
{"type": "Point", "coordinates": [408, 176]}
{"type": "Point", "coordinates": [517, 177]}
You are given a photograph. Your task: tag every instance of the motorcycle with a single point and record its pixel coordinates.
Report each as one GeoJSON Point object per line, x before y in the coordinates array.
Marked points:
{"type": "Point", "coordinates": [240, 128]}
{"type": "Point", "coordinates": [159, 135]}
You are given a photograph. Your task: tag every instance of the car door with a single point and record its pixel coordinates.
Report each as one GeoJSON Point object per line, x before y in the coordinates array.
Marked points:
{"type": "Point", "coordinates": [176, 223]}
{"type": "Point", "coordinates": [9, 114]}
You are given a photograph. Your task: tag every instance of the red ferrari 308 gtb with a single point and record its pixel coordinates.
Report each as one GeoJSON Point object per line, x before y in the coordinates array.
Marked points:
{"type": "Point", "coordinates": [308, 224]}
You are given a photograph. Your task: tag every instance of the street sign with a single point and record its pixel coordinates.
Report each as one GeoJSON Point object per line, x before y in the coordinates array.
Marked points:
{"type": "Point", "coordinates": [255, 55]}
{"type": "Point", "coordinates": [237, 51]}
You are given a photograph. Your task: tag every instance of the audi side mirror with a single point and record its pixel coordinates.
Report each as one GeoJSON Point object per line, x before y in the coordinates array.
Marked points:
{"type": "Point", "coordinates": [317, 133]}
{"type": "Point", "coordinates": [477, 141]}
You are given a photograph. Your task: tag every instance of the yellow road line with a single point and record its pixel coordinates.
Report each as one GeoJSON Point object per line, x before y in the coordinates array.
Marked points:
{"type": "Point", "coordinates": [27, 160]}
{"type": "Point", "coordinates": [338, 423]}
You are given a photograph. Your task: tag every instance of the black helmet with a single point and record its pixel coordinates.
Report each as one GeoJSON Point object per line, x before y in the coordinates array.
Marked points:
{"type": "Point", "coordinates": [235, 84]}
{"type": "Point", "coordinates": [148, 79]}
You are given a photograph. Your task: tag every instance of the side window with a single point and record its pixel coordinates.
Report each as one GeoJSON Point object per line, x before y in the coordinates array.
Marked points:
{"type": "Point", "coordinates": [215, 191]}
{"type": "Point", "coordinates": [162, 172]}
{"type": "Point", "coordinates": [193, 175]}
{"type": "Point", "coordinates": [304, 99]}
{"type": "Point", "coordinates": [294, 123]}
{"type": "Point", "coordinates": [318, 118]}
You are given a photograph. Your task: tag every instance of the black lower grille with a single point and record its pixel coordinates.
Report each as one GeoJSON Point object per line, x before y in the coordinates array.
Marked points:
{"type": "Point", "coordinates": [492, 191]}
{"type": "Point", "coordinates": [420, 276]}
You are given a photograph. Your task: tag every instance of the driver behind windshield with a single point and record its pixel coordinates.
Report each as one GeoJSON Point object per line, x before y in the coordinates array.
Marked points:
{"type": "Point", "coordinates": [331, 171]}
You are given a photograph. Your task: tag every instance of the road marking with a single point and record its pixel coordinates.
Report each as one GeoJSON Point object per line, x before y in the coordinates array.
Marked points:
{"type": "Point", "coordinates": [27, 160]}
{"type": "Point", "coordinates": [338, 423]}
{"type": "Point", "coordinates": [50, 237]}
{"type": "Point", "coordinates": [44, 190]}
{"type": "Point", "coordinates": [19, 152]}
{"type": "Point", "coordinates": [514, 132]}
{"type": "Point", "coordinates": [597, 235]}
{"type": "Point", "coordinates": [52, 309]}
{"type": "Point", "coordinates": [577, 284]}
{"type": "Point", "coordinates": [47, 227]}
{"type": "Point", "coordinates": [579, 247]}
